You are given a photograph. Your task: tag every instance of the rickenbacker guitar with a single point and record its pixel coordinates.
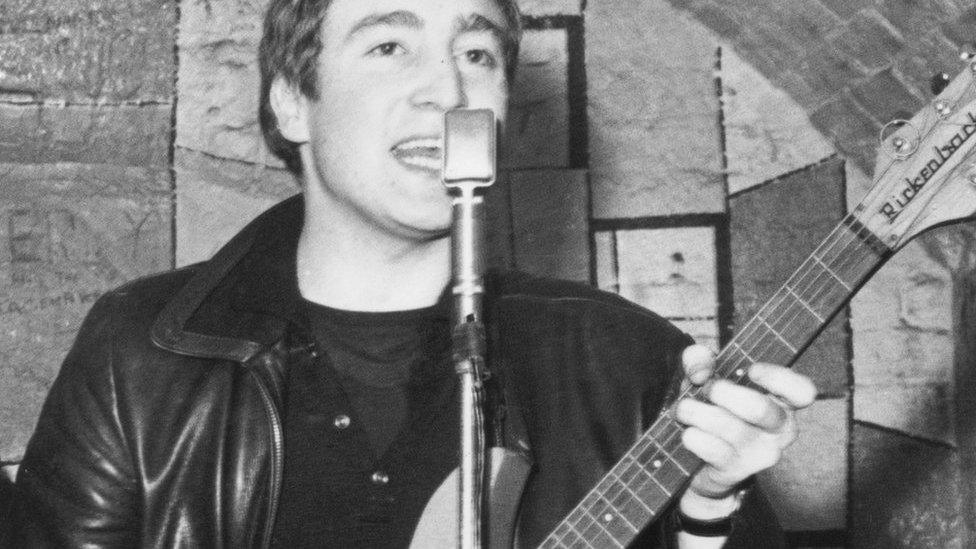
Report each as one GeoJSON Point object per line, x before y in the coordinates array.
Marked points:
{"type": "Point", "coordinates": [925, 177]}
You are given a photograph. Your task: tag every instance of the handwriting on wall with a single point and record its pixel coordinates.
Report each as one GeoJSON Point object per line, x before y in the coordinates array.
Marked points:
{"type": "Point", "coordinates": [52, 247]}
{"type": "Point", "coordinates": [27, 305]}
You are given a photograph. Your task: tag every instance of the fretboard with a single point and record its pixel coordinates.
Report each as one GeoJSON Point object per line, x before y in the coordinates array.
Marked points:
{"type": "Point", "coordinates": [658, 467]}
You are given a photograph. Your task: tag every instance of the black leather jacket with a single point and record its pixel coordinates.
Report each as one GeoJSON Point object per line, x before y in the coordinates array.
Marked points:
{"type": "Point", "coordinates": [163, 427]}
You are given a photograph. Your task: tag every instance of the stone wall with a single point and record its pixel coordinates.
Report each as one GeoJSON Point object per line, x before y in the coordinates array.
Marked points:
{"type": "Point", "coordinates": [683, 153]}
{"type": "Point", "coordinates": [86, 98]}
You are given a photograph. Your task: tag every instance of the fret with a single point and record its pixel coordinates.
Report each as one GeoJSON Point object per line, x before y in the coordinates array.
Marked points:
{"type": "Point", "coordinates": [794, 320]}
{"type": "Point", "coordinates": [631, 507]}
{"type": "Point", "coordinates": [612, 520]}
{"type": "Point", "coordinates": [779, 336]}
{"type": "Point", "coordinates": [657, 458]}
{"type": "Point", "coordinates": [651, 494]}
{"type": "Point", "coordinates": [740, 362]}
{"type": "Point", "coordinates": [831, 272]}
{"type": "Point", "coordinates": [597, 536]}
{"type": "Point", "coordinates": [565, 534]}
{"type": "Point", "coordinates": [804, 304]}
{"type": "Point", "coordinates": [623, 501]}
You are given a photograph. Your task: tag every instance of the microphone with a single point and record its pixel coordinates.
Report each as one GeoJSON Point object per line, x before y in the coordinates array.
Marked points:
{"type": "Point", "coordinates": [469, 164]}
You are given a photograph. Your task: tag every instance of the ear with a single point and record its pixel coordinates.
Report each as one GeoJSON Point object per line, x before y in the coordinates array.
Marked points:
{"type": "Point", "coordinates": [291, 110]}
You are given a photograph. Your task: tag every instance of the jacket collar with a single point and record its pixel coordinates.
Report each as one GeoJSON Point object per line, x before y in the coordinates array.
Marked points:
{"type": "Point", "coordinates": [242, 300]}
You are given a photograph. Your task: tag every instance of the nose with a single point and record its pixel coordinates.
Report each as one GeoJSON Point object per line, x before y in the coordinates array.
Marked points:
{"type": "Point", "coordinates": [440, 85]}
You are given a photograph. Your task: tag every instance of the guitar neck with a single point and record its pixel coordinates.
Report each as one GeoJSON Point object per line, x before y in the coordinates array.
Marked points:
{"type": "Point", "coordinates": [658, 467]}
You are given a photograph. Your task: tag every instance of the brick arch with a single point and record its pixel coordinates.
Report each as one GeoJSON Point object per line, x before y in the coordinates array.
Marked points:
{"type": "Point", "coordinates": [851, 64]}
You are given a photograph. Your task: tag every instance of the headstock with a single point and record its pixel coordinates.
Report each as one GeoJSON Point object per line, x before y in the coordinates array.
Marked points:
{"type": "Point", "coordinates": [925, 174]}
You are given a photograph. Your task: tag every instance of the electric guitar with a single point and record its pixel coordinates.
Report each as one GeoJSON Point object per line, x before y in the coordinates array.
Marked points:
{"type": "Point", "coordinates": [925, 177]}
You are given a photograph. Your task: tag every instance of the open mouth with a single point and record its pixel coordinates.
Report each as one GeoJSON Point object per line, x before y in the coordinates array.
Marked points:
{"type": "Point", "coordinates": [420, 153]}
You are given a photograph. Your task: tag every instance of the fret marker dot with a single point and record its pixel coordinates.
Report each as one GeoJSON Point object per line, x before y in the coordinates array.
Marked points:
{"type": "Point", "coordinates": [607, 517]}
{"type": "Point", "coordinates": [740, 372]}
{"type": "Point", "coordinates": [656, 463]}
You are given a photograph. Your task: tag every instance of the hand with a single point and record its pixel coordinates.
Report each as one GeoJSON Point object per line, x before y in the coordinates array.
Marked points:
{"type": "Point", "coordinates": [740, 431]}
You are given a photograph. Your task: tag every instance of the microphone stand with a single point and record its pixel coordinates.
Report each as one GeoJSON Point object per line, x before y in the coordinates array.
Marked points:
{"type": "Point", "coordinates": [469, 164]}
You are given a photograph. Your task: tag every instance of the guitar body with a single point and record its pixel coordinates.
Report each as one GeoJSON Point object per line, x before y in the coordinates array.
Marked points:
{"type": "Point", "coordinates": [438, 526]}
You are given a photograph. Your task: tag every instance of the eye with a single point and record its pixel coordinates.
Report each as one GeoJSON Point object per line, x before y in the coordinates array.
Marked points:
{"type": "Point", "coordinates": [480, 57]}
{"type": "Point", "coordinates": [387, 49]}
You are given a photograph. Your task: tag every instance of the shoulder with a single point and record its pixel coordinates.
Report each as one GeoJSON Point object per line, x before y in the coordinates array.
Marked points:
{"type": "Point", "coordinates": [135, 305]}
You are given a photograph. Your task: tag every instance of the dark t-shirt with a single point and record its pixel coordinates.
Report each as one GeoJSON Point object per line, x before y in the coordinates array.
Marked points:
{"type": "Point", "coordinates": [370, 428]}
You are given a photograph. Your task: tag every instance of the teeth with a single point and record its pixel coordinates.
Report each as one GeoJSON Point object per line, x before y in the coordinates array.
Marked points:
{"type": "Point", "coordinates": [428, 143]}
{"type": "Point", "coordinates": [422, 152]}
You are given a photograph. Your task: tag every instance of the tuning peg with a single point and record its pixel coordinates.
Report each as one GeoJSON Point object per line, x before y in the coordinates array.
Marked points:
{"type": "Point", "coordinates": [939, 82]}
{"type": "Point", "coordinates": [967, 52]}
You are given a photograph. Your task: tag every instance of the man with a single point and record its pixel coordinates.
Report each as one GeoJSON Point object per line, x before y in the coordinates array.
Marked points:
{"type": "Point", "coordinates": [296, 390]}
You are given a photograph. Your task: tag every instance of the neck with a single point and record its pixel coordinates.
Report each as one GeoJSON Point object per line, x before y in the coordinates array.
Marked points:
{"type": "Point", "coordinates": [365, 269]}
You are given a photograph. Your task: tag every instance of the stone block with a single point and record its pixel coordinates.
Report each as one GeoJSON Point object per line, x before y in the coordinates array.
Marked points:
{"type": "Point", "coordinates": [536, 8]}
{"type": "Point", "coordinates": [767, 133]}
{"type": "Point", "coordinates": [774, 228]}
{"type": "Point", "coordinates": [845, 9]}
{"type": "Point", "coordinates": [605, 255]}
{"type": "Point", "coordinates": [808, 487]}
{"type": "Point", "coordinates": [902, 322]}
{"type": "Point", "coordinates": [853, 131]}
{"type": "Point", "coordinates": [821, 74]}
{"type": "Point", "coordinates": [215, 198]}
{"type": "Point", "coordinates": [670, 271]}
{"type": "Point", "coordinates": [69, 232]}
{"type": "Point", "coordinates": [655, 148]}
{"type": "Point", "coordinates": [81, 51]}
{"type": "Point", "coordinates": [126, 135]}
{"type": "Point", "coordinates": [960, 29]}
{"type": "Point", "coordinates": [869, 40]}
{"type": "Point", "coordinates": [704, 331]}
{"type": "Point", "coordinates": [905, 493]}
{"type": "Point", "coordinates": [498, 216]}
{"type": "Point", "coordinates": [726, 22]}
{"type": "Point", "coordinates": [218, 80]}
{"type": "Point", "coordinates": [886, 98]}
{"type": "Point", "coordinates": [918, 409]}
{"type": "Point", "coordinates": [537, 130]}
{"type": "Point", "coordinates": [923, 57]}
{"type": "Point", "coordinates": [549, 223]}
{"type": "Point", "coordinates": [916, 17]}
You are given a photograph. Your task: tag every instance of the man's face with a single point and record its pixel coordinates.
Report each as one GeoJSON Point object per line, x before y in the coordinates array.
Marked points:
{"type": "Point", "coordinates": [387, 73]}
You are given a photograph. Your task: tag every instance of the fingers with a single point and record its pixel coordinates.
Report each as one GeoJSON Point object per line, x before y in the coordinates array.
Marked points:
{"type": "Point", "coordinates": [733, 429]}
{"type": "Point", "coordinates": [698, 361]}
{"type": "Point", "coordinates": [796, 390]}
{"type": "Point", "coordinates": [748, 405]}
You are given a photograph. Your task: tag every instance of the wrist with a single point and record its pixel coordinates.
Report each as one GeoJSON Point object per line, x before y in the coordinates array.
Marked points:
{"type": "Point", "coordinates": [706, 517]}
{"type": "Point", "coordinates": [701, 507]}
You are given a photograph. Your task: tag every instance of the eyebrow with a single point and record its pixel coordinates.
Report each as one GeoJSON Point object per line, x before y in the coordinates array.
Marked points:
{"type": "Point", "coordinates": [403, 18]}
{"type": "Point", "coordinates": [398, 18]}
{"type": "Point", "coordinates": [479, 23]}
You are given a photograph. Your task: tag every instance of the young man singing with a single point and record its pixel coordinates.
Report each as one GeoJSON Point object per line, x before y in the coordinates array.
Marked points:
{"type": "Point", "coordinates": [296, 390]}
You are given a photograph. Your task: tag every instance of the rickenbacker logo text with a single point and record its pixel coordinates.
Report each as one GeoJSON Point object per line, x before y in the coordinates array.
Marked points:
{"type": "Point", "coordinates": [897, 204]}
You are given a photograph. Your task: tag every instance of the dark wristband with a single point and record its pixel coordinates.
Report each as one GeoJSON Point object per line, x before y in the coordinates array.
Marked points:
{"type": "Point", "coordinates": [705, 528]}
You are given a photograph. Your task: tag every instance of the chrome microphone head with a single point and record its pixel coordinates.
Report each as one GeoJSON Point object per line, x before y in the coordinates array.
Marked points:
{"type": "Point", "coordinates": [469, 148]}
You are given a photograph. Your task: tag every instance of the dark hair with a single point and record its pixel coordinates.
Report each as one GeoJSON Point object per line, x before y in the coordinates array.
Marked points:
{"type": "Point", "coordinates": [290, 48]}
